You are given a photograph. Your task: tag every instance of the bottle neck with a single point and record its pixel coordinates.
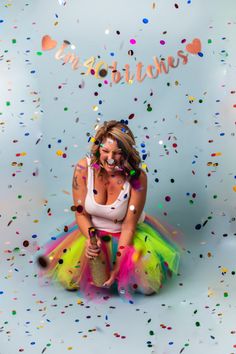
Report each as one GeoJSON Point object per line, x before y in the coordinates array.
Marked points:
{"type": "Point", "coordinates": [92, 235]}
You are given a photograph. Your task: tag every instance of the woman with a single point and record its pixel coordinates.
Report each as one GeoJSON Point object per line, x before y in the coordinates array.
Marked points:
{"type": "Point", "coordinates": [109, 193]}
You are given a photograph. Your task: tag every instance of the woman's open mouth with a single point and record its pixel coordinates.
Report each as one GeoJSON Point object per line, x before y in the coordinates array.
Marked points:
{"type": "Point", "coordinates": [110, 165]}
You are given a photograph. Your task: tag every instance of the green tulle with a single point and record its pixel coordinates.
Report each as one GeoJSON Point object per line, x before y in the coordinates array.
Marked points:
{"type": "Point", "coordinates": [157, 246]}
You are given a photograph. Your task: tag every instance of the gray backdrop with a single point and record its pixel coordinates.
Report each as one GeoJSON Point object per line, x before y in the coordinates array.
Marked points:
{"type": "Point", "coordinates": [184, 123]}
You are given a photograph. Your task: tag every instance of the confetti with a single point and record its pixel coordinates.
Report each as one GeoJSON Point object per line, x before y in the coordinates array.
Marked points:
{"type": "Point", "coordinates": [184, 127]}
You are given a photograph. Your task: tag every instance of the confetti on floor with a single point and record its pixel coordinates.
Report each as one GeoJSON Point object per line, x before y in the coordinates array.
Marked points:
{"type": "Point", "coordinates": [66, 66]}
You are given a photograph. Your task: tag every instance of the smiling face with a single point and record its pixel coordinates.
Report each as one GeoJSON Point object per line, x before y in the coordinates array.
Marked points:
{"type": "Point", "coordinates": [110, 155]}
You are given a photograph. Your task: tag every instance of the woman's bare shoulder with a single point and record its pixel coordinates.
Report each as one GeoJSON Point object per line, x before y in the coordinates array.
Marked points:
{"type": "Point", "coordinates": [82, 165]}
{"type": "Point", "coordinates": [83, 162]}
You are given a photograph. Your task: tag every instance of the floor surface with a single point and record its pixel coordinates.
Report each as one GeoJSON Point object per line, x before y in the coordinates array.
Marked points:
{"type": "Point", "coordinates": [194, 312]}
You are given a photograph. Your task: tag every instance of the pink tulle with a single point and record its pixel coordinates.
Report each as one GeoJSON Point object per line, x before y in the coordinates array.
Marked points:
{"type": "Point", "coordinates": [135, 269]}
{"type": "Point", "coordinates": [126, 269]}
{"type": "Point", "coordinates": [123, 278]}
{"type": "Point", "coordinates": [53, 244]}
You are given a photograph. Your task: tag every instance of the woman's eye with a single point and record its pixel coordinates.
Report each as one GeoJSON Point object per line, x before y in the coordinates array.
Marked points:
{"type": "Point", "coordinates": [117, 153]}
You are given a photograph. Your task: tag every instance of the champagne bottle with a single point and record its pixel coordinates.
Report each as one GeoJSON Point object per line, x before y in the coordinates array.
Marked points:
{"type": "Point", "coordinates": [98, 266]}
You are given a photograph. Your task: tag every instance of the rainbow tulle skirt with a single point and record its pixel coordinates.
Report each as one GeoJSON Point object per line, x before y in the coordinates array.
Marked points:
{"type": "Point", "coordinates": [153, 256]}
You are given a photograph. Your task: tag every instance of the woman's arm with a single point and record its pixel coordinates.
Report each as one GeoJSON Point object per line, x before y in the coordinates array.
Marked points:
{"type": "Point", "coordinates": [79, 190]}
{"type": "Point", "coordinates": [134, 210]}
{"type": "Point", "coordinates": [135, 207]}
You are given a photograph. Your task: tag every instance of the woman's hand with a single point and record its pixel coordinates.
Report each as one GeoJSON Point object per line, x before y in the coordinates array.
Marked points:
{"type": "Point", "coordinates": [93, 251]}
{"type": "Point", "coordinates": [111, 280]}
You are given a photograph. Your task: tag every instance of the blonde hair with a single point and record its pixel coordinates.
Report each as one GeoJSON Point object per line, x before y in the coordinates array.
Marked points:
{"type": "Point", "coordinates": [124, 137]}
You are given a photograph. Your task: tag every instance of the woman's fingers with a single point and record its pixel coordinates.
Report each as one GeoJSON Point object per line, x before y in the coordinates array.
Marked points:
{"type": "Point", "coordinates": [90, 255]}
{"type": "Point", "coordinates": [94, 249]}
{"type": "Point", "coordinates": [99, 242]}
{"type": "Point", "coordinates": [92, 252]}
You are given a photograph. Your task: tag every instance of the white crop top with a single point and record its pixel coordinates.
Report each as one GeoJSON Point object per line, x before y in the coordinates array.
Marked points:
{"type": "Point", "coordinates": [107, 217]}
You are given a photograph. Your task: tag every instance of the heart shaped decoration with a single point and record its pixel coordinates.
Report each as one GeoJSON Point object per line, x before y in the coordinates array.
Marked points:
{"type": "Point", "coordinates": [194, 47]}
{"type": "Point", "coordinates": [48, 43]}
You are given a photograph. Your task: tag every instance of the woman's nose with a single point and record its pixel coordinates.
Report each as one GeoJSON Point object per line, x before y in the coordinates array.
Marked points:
{"type": "Point", "coordinates": [111, 159]}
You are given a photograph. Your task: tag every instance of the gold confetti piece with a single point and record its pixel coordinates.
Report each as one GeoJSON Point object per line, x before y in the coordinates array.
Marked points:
{"type": "Point", "coordinates": [143, 165]}
{"type": "Point", "coordinates": [59, 152]}
{"type": "Point", "coordinates": [224, 270]}
{"type": "Point", "coordinates": [191, 99]}
{"type": "Point", "coordinates": [210, 293]}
